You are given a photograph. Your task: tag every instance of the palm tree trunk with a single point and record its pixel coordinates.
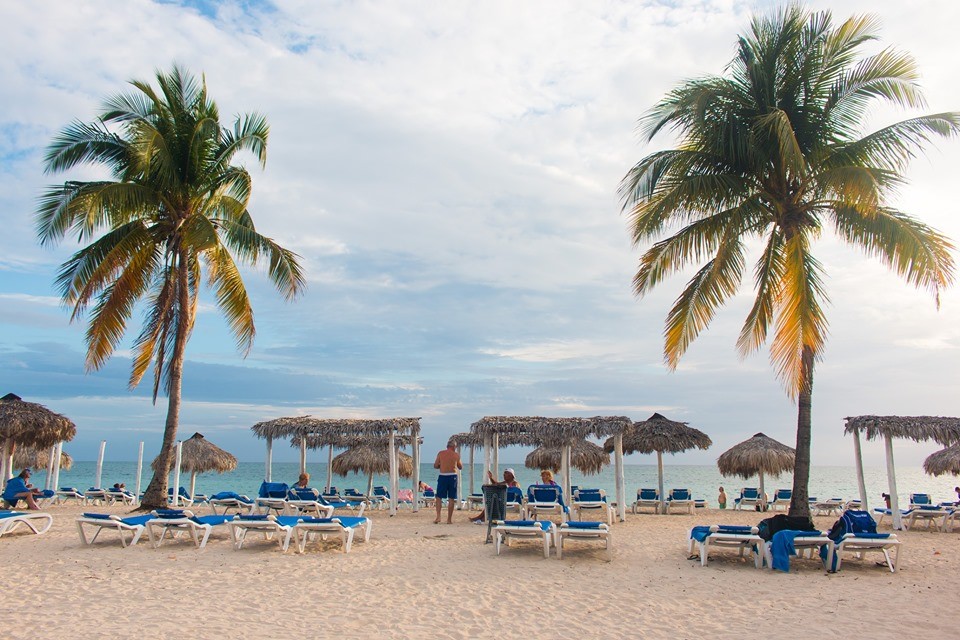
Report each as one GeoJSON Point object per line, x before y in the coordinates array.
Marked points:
{"type": "Point", "coordinates": [155, 496]}
{"type": "Point", "coordinates": [799, 503]}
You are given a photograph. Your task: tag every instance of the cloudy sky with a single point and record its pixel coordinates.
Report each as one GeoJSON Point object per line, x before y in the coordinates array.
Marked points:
{"type": "Point", "coordinates": [448, 173]}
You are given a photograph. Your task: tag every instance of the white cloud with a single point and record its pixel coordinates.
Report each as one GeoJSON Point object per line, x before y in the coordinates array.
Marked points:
{"type": "Point", "coordinates": [448, 173]}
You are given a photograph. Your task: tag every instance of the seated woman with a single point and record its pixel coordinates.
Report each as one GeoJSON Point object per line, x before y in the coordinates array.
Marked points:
{"type": "Point", "coordinates": [303, 482]}
{"type": "Point", "coordinates": [546, 478]}
{"type": "Point", "coordinates": [19, 489]}
{"type": "Point", "coordinates": [425, 487]}
{"type": "Point", "coordinates": [509, 479]}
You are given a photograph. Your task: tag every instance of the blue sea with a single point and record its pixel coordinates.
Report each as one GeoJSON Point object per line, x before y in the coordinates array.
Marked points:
{"type": "Point", "coordinates": [702, 480]}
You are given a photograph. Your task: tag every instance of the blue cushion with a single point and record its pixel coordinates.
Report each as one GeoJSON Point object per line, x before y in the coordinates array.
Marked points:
{"type": "Point", "coordinates": [734, 528]}
{"type": "Point", "coordinates": [214, 520]}
{"type": "Point", "coordinates": [251, 516]}
{"type": "Point", "coordinates": [871, 536]}
{"type": "Point", "coordinates": [582, 525]}
{"type": "Point", "coordinates": [98, 516]}
{"type": "Point", "coordinates": [170, 513]}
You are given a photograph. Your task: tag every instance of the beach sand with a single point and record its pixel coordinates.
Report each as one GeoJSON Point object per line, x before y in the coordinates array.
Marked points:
{"type": "Point", "coordinates": [417, 579]}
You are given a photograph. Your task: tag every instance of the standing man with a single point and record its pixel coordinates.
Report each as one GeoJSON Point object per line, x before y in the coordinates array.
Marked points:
{"type": "Point", "coordinates": [448, 462]}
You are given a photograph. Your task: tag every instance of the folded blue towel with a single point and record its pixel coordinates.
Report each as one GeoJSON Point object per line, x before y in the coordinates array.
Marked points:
{"type": "Point", "coordinates": [98, 516]}
{"type": "Point", "coordinates": [782, 547]}
{"type": "Point", "coordinates": [582, 525]}
{"type": "Point", "coordinates": [251, 516]}
{"type": "Point", "coordinates": [699, 533]}
{"type": "Point", "coordinates": [868, 536]}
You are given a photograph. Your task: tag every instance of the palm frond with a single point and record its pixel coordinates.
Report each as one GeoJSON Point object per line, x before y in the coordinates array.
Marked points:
{"type": "Point", "coordinates": [919, 254]}
{"type": "Point", "coordinates": [705, 292]}
{"type": "Point", "coordinates": [800, 321]}
{"type": "Point", "coordinates": [768, 276]}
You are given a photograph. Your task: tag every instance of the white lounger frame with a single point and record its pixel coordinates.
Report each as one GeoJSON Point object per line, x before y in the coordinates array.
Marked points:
{"type": "Point", "coordinates": [114, 523]}
{"type": "Point", "coordinates": [740, 541]}
{"type": "Point", "coordinates": [32, 520]}
{"type": "Point", "coordinates": [176, 526]}
{"type": "Point", "coordinates": [601, 533]}
{"type": "Point", "coordinates": [239, 529]}
{"type": "Point", "coordinates": [503, 533]}
{"type": "Point", "coordinates": [303, 530]}
{"type": "Point", "coordinates": [860, 546]}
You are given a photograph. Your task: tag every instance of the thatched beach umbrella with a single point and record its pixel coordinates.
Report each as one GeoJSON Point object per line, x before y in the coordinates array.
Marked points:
{"type": "Point", "coordinates": [759, 456]}
{"type": "Point", "coordinates": [586, 456]}
{"type": "Point", "coordinates": [371, 460]}
{"type": "Point", "coordinates": [31, 457]}
{"type": "Point", "coordinates": [944, 430]}
{"type": "Point", "coordinates": [562, 432]}
{"type": "Point", "coordinates": [29, 424]}
{"type": "Point", "coordinates": [943, 462]}
{"type": "Point", "coordinates": [199, 455]}
{"type": "Point", "coordinates": [333, 430]}
{"type": "Point", "coordinates": [661, 435]}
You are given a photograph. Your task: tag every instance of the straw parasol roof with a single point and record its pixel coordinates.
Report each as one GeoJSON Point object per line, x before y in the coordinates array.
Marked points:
{"type": "Point", "coordinates": [199, 455]}
{"type": "Point", "coordinates": [585, 456]}
{"type": "Point", "coordinates": [370, 460]}
{"type": "Point", "coordinates": [25, 457]}
{"type": "Point", "coordinates": [943, 430]}
{"type": "Point", "coordinates": [466, 439]}
{"type": "Point", "coordinates": [658, 433]}
{"type": "Point", "coordinates": [334, 428]}
{"type": "Point", "coordinates": [537, 430]}
{"type": "Point", "coordinates": [943, 462]}
{"type": "Point", "coordinates": [760, 454]}
{"type": "Point", "coordinates": [349, 441]}
{"type": "Point", "coordinates": [31, 424]}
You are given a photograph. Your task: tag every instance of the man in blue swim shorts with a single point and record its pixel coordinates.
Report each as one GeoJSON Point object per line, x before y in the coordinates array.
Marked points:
{"type": "Point", "coordinates": [448, 462]}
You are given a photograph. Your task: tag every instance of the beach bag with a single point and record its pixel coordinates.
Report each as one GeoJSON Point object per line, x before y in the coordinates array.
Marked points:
{"type": "Point", "coordinates": [852, 522]}
{"type": "Point", "coordinates": [782, 522]}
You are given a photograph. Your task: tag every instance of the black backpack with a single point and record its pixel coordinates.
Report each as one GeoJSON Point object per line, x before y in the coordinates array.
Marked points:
{"type": "Point", "coordinates": [780, 522]}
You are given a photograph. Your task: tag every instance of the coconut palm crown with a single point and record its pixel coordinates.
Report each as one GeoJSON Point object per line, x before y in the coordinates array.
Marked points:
{"type": "Point", "coordinates": [770, 154]}
{"type": "Point", "coordinates": [173, 209]}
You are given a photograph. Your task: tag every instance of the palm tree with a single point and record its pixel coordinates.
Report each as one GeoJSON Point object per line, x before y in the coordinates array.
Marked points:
{"type": "Point", "coordinates": [769, 154]}
{"type": "Point", "coordinates": [174, 209]}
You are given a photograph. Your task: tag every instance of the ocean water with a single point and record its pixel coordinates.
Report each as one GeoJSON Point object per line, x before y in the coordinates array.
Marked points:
{"type": "Point", "coordinates": [702, 480]}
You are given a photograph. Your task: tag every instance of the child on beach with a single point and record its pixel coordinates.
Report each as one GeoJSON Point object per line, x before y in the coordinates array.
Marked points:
{"type": "Point", "coordinates": [722, 499]}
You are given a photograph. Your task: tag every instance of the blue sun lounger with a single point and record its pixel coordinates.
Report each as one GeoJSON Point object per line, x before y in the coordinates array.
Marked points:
{"type": "Point", "coordinates": [228, 500]}
{"type": "Point", "coordinates": [742, 538]}
{"type": "Point", "coordinates": [647, 498]}
{"type": "Point", "coordinates": [505, 530]}
{"type": "Point", "coordinates": [267, 524]}
{"type": "Point", "coordinates": [343, 526]}
{"type": "Point", "coordinates": [134, 525]}
{"type": "Point", "coordinates": [596, 531]}
{"type": "Point", "coordinates": [176, 521]}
